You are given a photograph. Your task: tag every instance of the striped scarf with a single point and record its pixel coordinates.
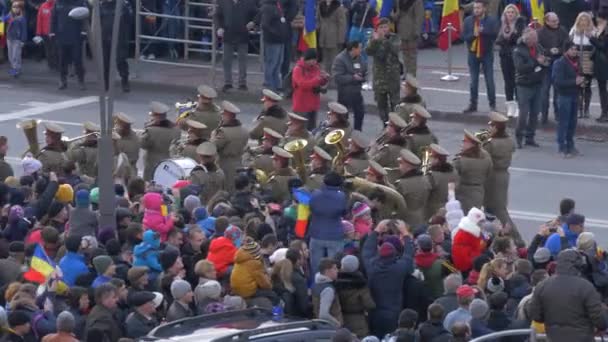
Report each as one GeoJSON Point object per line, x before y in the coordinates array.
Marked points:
{"type": "Point", "coordinates": [477, 46]}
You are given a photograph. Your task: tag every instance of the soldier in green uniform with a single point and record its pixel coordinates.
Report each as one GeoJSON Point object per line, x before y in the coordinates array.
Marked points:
{"type": "Point", "coordinates": [157, 137]}
{"type": "Point", "coordinates": [385, 150]}
{"type": "Point", "coordinates": [410, 98]}
{"type": "Point", "coordinates": [297, 129]}
{"type": "Point", "coordinates": [84, 152]}
{"type": "Point", "coordinates": [123, 172]}
{"type": "Point", "coordinates": [440, 173]}
{"type": "Point", "coordinates": [272, 116]}
{"type": "Point", "coordinates": [417, 133]}
{"type": "Point", "coordinates": [230, 138]}
{"type": "Point", "coordinates": [377, 174]}
{"type": "Point", "coordinates": [474, 167]}
{"type": "Point", "coordinates": [260, 157]}
{"type": "Point", "coordinates": [53, 155]}
{"type": "Point", "coordinates": [129, 142]}
{"type": "Point", "coordinates": [413, 186]}
{"type": "Point", "coordinates": [278, 183]}
{"type": "Point", "coordinates": [186, 147]}
{"type": "Point", "coordinates": [357, 160]}
{"type": "Point", "coordinates": [384, 47]}
{"type": "Point", "coordinates": [337, 118]}
{"type": "Point", "coordinates": [320, 164]}
{"type": "Point", "coordinates": [207, 174]}
{"type": "Point", "coordinates": [500, 147]}
{"type": "Point", "coordinates": [206, 112]}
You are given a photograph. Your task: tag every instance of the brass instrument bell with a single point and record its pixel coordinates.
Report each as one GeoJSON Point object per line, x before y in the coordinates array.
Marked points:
{"type": "Point", "coordinates": [30, 129]}
{"type": "Point", "coordinates": [296, 148]}
{"type": "Point", "coordinates": [336, 137]}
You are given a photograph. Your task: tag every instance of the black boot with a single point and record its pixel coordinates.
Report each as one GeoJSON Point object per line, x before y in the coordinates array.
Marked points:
{"type": "Point", "coordinates": [471, 108]}
{"type": "Point", "coordinates": [125, 85]}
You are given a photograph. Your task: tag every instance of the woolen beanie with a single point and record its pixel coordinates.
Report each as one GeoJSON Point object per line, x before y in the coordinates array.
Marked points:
{"type": "Point", "coordinates": [64, 194]}
{"type": "Point", "coordinates": [495, 284]}
{"type": "Point", "coordinates": [347, 227]}
{"type": "Point", "coordinates": [191, 202]}
{"type": "Point", "coordinates": [65, 322]}
{"type": "Point", "coordinates": [585, 241]}
{"type": "Point", "coordinates": [135, 273]}
{"type": "Point", "coordinates": [251, 247]}
{"type": "Point", "coordinates": [395, 241]}
{"type": "Point", "coordinates": [425, 243]}
{"type": "Point", "coordinates": [498, 300]}
{"type": "Point", "coordinates": [102, 263]}
{"type": "Point", "coordinates": [200, 213]}
{"type": "Point", "coordinates": [167, 258]}
{"type": "Point", "coordinates": [542, 255]}
{"type": "Point", "coordinates": [387, 250]}
{"type": "Point", "coordinates": [278, 255]}
{"type": "Point", "coordinates": [233, 233]}
{"type": "Point", "coordinates": [360, 209]}
{"type": "Point", "coordinates": [333, 179]}
{"type": "Point", "coordinates": [478, 308]}
{"type": "Point", "coordinates": [11, 181]}
{"type": "Point", "coordinates": [370, 339]}
{"type": "Point", "coordinates": [82, 198]}
{"type": "Point", "coordinates": [349, 264]}
{"type": "Point", "coordinates": [94, 195]}
{"type": "Point", "coordinates": [211, 289]}
{"type": "Point", "coordinates": [179, 288]}
{"type": "Point", "coordinates": [574, 219]}
{"type": "Point", "coordinates": [30, 165]}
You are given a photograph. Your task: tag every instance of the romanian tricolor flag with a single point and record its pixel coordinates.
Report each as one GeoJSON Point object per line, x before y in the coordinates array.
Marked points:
{"type": "Point", "coordinates": [41, 268]}
{"type": "Point", "coordinates": [449, 14]}
{"type": "Point", "coordinates": [303, 198]}
{"type": "Point", "coordinates": [535, 9]}
{"type": "Point", "coordinates": [309, 33]}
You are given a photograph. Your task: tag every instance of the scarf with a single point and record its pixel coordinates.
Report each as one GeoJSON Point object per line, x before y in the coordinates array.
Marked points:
{"type": "Point", "coordinates": [476, 45]}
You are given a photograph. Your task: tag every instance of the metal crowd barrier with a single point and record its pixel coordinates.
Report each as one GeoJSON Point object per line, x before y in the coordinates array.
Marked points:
{"type": "Point", "coordinates": [533, 335]}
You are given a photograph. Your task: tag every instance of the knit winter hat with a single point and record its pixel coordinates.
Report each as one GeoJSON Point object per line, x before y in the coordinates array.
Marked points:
{"type": "Point", "coordinates": [234, 303]}
{"type": "Point", "coordinates": [191, 202]}
{"type": "Point", "coordinates": [11, 181]}
{"type": "Point", "coordinates": [17, 318]}
{"type": "Point", "coordinates": [347, 227]}
{"type": "Point", "coordinates": [167, 258]}
{"type": "Point", "coordinates": [360, 209]}
{"type": "Point", "coordinates": [82, 198]}
{"type": "Point", "coordinates": [102, 263]}
{"type": "Point", "coordinates": [495, 284]}
{"type": "Point", "coordinates": [200, 213]}
{"type": "Point", "coordinates": [278, 255]}
{"type": "Point", "coordinates": [387, 250]}
{"type": "Point", "coordinates": [542, 255]}
{"type": "Point", "coordinates": [209, 290]}
{"type": "Point", "coordinates": [64, 194]}
{"type": "Point", "coordinates": [30, 165]}
{"type": "Point", "coordinates": [476, 215]}
{"type": "Point", "coordinates": [394, 240]}
{"type": "Point", "coordinates": [135, 273]}
{"type": "Point", "coordinates": [349, 264]}
{"type": "Point", "coordinates": [15, 214]}
{"type": "Point", "coordinates": [251, 247]}
{"type": "Point", "coordinates": [370, 339]}
{"type": "Point", "coordinates": [179, 288]}
{"type": "Point", "coordinates": [234, 234]}
{"type": "Point", "coordinates": [425, 243]}
{"type": "Point", "coordinates": [208, 226]}
{"type": "Point", "coordinates": [478, 308]}
{"type": "Point", "coordinates": [94, 195]}
{"type": "Point", "coordinates": [66, 322]}
{"type": "Point", "coordinates": [585, 241]}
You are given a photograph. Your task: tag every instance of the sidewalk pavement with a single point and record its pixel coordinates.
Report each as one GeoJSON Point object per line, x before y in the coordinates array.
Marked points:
{"type": "Point", "coordinates": [446, 100]}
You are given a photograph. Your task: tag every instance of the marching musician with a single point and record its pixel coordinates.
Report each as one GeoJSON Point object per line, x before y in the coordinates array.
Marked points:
{"type": "Point", "coordinates": [129, 142]}
{"type": "Point", "coordinates": [123, 171]}
{"type": "Point", "coordinates": [500, 147]}
{"type": "Point", "coordinates": [417, 132]}
{"type": "Point", "coordinates": [413, 186]}
{"type": "Point", "coordinates": [337, 118]}
{"type": "Point", "coordinates": [157, 137]}
{"type": "Point", "coordinates": [207, 174]}
{"type": "Point", "coordinates": [206, 112]}
{"type": "Point", "coordinates": [320, 165]}
{"type": "Point", "coordinates": [272, 116]}
{"type": "Point", "coordinates": [410, 98]}
{"type": "Point", "coordinates": [84, 153]}
{"type": "Point", "coordinates": [386, 149]}
{"type": "Point", "coordinates": [474, 167]}
{"type": "Point", "coordinates": [194, 137]}
{"type": "Point", "coordinates": [280, 177]}
{"type": "Point", "coordinates": [230, 138]}
{"type": "Point", "coordinates": [356, 159]}
{"type": "Point", "coordinates": [297, 129]}
{"type": "Point", "coordinates": [440, 173]}
{"type": "Point", "coordinates": [53, 155]}
{"type": "Point", "coordinates": [377, 174]}
{"type": "Point", "coordinates": [260, 157]}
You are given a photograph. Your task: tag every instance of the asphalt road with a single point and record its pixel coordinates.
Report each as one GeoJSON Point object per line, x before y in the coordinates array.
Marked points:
{"type": "Point", "coordinates": [539, 177]}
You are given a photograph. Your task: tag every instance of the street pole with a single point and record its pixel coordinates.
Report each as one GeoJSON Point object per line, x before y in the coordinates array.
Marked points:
{"type": "Point", "coordinates": [105, 180]}
{"type": "Point", "coordinates": [448, 30]}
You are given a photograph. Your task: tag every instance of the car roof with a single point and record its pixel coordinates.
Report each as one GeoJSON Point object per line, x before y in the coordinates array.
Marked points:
{"type": "Point", "coordinates": [232, 326]}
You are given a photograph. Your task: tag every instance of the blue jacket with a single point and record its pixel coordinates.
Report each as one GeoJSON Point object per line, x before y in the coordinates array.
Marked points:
{"type": "Point", "coordinates": [72, 265]}
{"type": "Point", "coordinates": [479, 328]}
{"type": "Point", "coordinates": [327, 206]}
{"type": "Point", "coordinates": [488, 35]}
{"type": "Point", "coordinates": [147, 254]}
{"type": "Point", "coordinates": [554, 242]}
{"type": "Point", "coordinates": [564, 78]}
{"type": "Point", "coordinates": [17, 28]}
{"type": "Point", "coordinates": [100, 280]}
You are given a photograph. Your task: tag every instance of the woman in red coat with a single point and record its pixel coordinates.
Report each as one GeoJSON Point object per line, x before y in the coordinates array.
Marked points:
{"type": "Point", "coordinates": [468, 242]}
{"type": "Point", "coordinates": [307, 79]}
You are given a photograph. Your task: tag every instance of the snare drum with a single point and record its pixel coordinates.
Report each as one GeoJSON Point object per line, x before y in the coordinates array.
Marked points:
{"type": "Point", "coordinates": [170, 171]}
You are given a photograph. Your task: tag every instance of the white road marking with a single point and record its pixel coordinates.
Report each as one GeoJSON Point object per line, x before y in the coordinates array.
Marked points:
{"type": "Point", "coordinates": [558, 173]}
{"type": "Point", "coordinates": [462, 74]}
{"type": "Point", "coordinates": [48, 108]}
{"type": "Point", "coordinates": [65, 123]}
{"type": "Point", "coordinates": [5, 86]}
{"type": "Point", "coordinates": [466, 92]}
{"type": "Point", "coordinates": [543, 217]}
{"type": "Point", "coordinates": [34, 104]}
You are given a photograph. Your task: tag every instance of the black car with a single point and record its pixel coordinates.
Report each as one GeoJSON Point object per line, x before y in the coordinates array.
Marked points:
{"type": "Point", "coordinates": [254, 324]}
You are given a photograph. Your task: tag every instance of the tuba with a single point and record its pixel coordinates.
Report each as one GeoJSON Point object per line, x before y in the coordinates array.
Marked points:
{"type": "Point", "coordinates": [30, 129]}
{"type": "Point", "coordinates": [484, 136]}
{"type": "Point", "coordinates": [394, 200]}
{"type": "Point", "coordinates": [296, 147]}
{"type": "Point", "coordinates": [336, 137]}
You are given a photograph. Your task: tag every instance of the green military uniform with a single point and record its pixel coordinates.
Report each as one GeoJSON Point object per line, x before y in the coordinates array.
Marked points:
{"type": "Point", "coordinates": [407, 105]}
{"type": "Point", "coordinates": [474, 167]}
{"type": "Point", "coordinates": [419, 136]}
{"type": "Point", "coordinates": [230, 139]}
{"type": "Point", "coordinates": [439, 176]}
{"type": "Point", "coordinates": [314, 180]}
{"type": "Point", "coordinates": [130, 145]}
{"type": "Point", "coordinates": [123, 171]}
{"type": "Point", "coordinates": [84, 154]}
{"type": "Point", "coordinates": [155, 141]}
{"type": "Point", "coordinates": [185, 149]}
{"type": "Point", "coordinates": [278, 184]}
{"type": "Point", "coordinates": [414, 188]}
{"type": "Point", "coordinates": [275, 118]}
{"type": "Point", "coordinates": [258, 158]}
{"type": "Point", "coordinates": [387, 72]}
{"type": "Point", "coordinates": [385, 151]}
{"type": "Point", "coordinates": [209, 176]}
{"type": "Point", "coordinates": [209, 116]}
{"type": "Point", "coordinates": [341, 112]}
{"type": "Point", "coordinates": [53, 157]}
{"type": "Point", "coordinates": [356, 163]}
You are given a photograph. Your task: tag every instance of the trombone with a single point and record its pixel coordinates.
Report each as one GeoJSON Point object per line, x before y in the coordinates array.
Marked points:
{"type": "Point", "coordinates": [336, 137]}
{"type": "Point", "coordinates": [71, 140]}
{"type": "Point", "coordinates": [296, 147]}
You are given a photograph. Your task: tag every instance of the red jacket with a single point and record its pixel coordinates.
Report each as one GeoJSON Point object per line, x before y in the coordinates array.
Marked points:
{"type": "Point", "coordinates": [304, 79]}
{"type": "Point", "coordinates": [221, 254]}
{"type": "Point", "coordinates": [43, 23]}
{"type": "Point", "coordinates": [466, 247]}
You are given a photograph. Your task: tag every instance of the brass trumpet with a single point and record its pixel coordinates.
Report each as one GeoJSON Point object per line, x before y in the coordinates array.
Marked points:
{"type": "Point", "coordinates": [336, 137]}
{"type": "Point", "coordinates": [296, 147]}
{"type": "Point", "coordinates": [71, 140]}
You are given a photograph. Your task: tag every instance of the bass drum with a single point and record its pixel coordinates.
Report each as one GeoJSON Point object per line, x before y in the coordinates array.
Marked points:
{"type": "Point", "coordinates": [170, 171]}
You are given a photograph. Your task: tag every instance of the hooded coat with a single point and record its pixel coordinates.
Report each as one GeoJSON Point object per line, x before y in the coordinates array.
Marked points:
{"type": "Point", "coordinates": [248, 275]}
{"type": "Point", "coordinates": [153, 218]}
{"type": "Point", "coordinates": [356, 301]}
{"type": "Point", "coordinates": [221, 253]}
{"type": "Point", "coordinates": [577, 312]}
{"type": "Point", "coordinates": [147, 254]}
{"type": "Point", "coordinates": [467, 243]}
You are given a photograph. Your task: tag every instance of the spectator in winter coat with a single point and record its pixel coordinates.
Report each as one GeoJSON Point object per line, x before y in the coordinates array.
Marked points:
{"type": "Point", "coordinates": [154, 218]}
{"type": "Point", "coordinates": [249, 278]}
{"type": "Point", "coordinates": [432, 330]}
{"type": "Point", "coordinates": [17, 227]}
{"type": "Point", "coordinates": [65, 328]}
{"type": "Point", "coordinates": [223, 250]}
{"type": "Point", "coordinates": [355, 298]}
{"type": "Point", "coordinates": [479, 317]}
{"type": "Point", "coordinates": [325, 299]}
{"type": "Point", "coordinates": [16, 36]}
{"type": "Point", "coordinates": [83, 220]}
{"type": "Point", "coordinates": [147, 253]}
{"type": "Point", "coordinates": [299, 305]}
{"type": "Point", "coordinates": [307, 81]}
{"type": "Point", "coordinates": [596, 266]}
{"type": "Point", "coordinates": [578, 313]}
{"type": "Point", "coordinates": [181, 291]}
{"type": "Point", "coordinates": [430, 264]}
{"type": "Point", "coordinates": [386, 271]}
{"type": "Point", "coordinates": [468, 242]}
{"type": "Point", "coordinates": [566, 238]}
{"type": "Point", "coordinates": [73, 264]}
{"type": "Point", "coordinates": [43, 28]}
{"type": "Point", "coordinates": [465, 295]}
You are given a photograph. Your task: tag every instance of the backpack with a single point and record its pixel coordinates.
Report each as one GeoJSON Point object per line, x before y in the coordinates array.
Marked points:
{"type": "Point", "coordinates": [288, 85]}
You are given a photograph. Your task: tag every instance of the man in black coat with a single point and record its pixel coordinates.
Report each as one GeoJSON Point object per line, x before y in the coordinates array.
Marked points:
{"type": "Point", "coordinates": [69, 34]}
{"type": "Point", "coordinates": [107, 14]}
